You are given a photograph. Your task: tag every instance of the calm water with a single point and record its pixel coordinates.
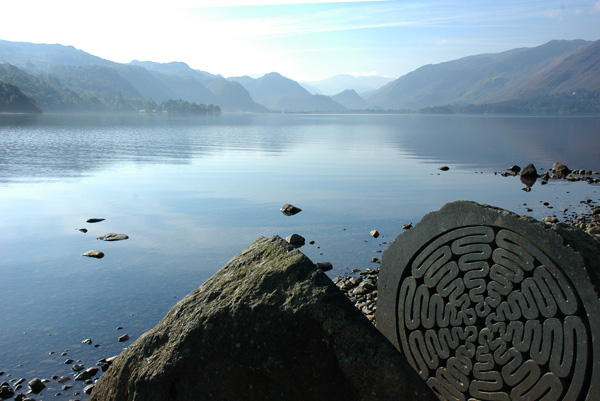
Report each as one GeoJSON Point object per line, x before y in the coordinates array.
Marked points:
{"type": "Point", "coordinates": [193, 192]}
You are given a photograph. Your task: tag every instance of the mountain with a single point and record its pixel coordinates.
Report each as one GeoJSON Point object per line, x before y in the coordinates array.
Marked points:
{"type": "Point", "coordinates": [489, 78]}
{"type": "Point", "coordinates": [201, 86]}
{"type": "Point", "coordinates": [279, 93]}
{"type": "Point", "coordinates": [12, 100]}
{"type": "Point", "coordinates": [41, 56]}
{"type": "Point", "coordinates": [49, 94]}
{"type": "Point", "coordinates": [62, 78]}
{"type": "Point", "coordinates": [339, 83]}
{"type": "Point", "coordinates": [350, 100]}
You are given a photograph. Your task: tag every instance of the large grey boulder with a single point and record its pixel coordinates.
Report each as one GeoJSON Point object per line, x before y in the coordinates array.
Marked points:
{"type": "Point", "coordinates": [486, 304]}
{"type": "Point", "coordinates": [268, 326]}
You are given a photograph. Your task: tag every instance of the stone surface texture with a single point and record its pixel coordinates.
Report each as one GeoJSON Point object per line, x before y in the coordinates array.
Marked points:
{"type": "Point", "coordinates": [268, 326]}
{"type": "Point", "coordinates": [486, 304]}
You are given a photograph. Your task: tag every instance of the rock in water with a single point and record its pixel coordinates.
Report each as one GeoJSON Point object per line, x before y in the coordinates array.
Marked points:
{"type": "Point", "coordinates": [529, 171]}
{"type": "Point", "coordinates": [268, 326]}
{"type": "Point", "coordinates": [92, 253]}
{"type": "Point", "coordinates": [296, 240]}
{"type": "Point", "coordinates": [290, 210]}
{"type": "Point", "coordinates": [94, 220]}
{"type": "Point", "coordinates": [559, 170]}
{"type": "Point", "coordinates": [36, 385]}
{"type": "Point", "coordinates": [113, 237]}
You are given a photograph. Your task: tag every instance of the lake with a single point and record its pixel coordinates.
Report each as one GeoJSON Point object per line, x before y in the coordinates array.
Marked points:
{"type": "Point", "coordinates": [192, 192]}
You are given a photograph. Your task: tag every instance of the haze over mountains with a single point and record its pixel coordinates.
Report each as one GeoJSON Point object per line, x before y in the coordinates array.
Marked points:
{"type": "Point", "coordinates": [62, 78]}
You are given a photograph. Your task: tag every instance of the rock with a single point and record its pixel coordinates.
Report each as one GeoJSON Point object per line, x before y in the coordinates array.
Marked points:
{"type": "Point", "coordinates": [529, 171]}
{"type": "Point", "coordinates": [6, 391]}
{"type": "Point", "coordinates": [324, 266]}
{"type": "Point", "coordinates": [514, 169]}
{"type": "Point", "coordinates": [77, 367]}
{"type": "Point", "coordinates": [92, 371]}
{"type": "Point", "coordinates": [88, 389]}
{"type": "Point", "coordinates": [545, 176]}
{"type": "Point", "coordinates": [296, 240]}
{"type": "Point", "coordinates": [595, 230]}
{"type": "Point", "coordinates": [36, 385]}
{"type": "Point", "coordinates": [83, 230]}
{"type": "Point", "coordinates": [87, 341]}
{"type": "Point", "coordinates": [559, 170]}
{"type": "Point", "coordinates": [113, 237]}
{"type": "Point", "coordinates": [508, 258]}
{"type": "Point", "coordinates": [290, 210]}
{"type": "Point", "coordinates": [268, 326]}
{"type": "Point", "coordinates": [406, 226]}
{"type": "Point", "coordinates": [64, 379]}
{"type": "Point", "coordinates": [374, 233]}
{"type": "Point", "coordinates": [93, 254]}
{"type": "Point", "coordinates": [123, 338]}
{"type": "Point", "coordinates": [549, 220]}
{"type": "Point", "coordinates": [68, 361]}
{"type": "Point", "coordinates": [83, 376]}
{"type": "Point", "coordinates": [444, 168]}
{"type": "Point", "coordinates": [94, 220]}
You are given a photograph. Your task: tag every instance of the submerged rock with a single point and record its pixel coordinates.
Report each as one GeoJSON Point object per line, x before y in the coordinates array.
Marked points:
{"type": "Point", "coordinates": [268, 326]}
{"type": "Point", "coordinates": [94, 220]}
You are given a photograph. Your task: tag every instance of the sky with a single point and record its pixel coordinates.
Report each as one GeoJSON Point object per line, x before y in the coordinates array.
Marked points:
{"type": "Point", "coordinates": [303, 40]}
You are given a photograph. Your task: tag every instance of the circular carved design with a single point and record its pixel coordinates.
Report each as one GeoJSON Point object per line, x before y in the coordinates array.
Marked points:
{"type": "Point", "coordinates": [483, 313]}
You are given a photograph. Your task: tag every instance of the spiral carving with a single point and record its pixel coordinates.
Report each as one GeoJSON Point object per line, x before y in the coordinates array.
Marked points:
{"type": "Point", "coordinates": [484, 314]}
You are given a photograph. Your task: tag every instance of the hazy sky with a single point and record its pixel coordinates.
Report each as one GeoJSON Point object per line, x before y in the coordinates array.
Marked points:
{"type": "Point", "coordinates": [303, 40]}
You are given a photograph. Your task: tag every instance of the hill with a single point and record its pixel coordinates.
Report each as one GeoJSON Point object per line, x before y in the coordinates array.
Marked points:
{"type": "Point", "coordinates": [12, 100]}
{"type": "Point", "coordinates": [350, 100]}
{"type": "Point", "coordinates": [277, 92]}
{"type": "Point", "coordinates": [62, 78]}
{"type": "Point", "coordinates": [490, 78]}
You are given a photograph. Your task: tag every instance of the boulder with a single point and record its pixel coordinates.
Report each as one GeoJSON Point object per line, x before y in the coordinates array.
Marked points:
{"type": "Point", "coordinates": [269, 325]}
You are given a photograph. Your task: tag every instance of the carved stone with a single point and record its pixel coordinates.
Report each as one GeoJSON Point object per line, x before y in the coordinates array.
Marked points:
{"type": "Point", "coordinates": [487, 305]}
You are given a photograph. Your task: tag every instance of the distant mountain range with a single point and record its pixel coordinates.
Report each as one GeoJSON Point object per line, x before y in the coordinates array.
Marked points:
{"type": "Point", "coordinates": [555, 67]}
{"type": "Point", "coordinates": [339, 83]}
{"type": "Point", "coordinates": [62, 78]}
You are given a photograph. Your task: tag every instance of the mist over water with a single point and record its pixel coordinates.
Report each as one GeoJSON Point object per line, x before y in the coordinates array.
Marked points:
{"type": "Point", "coordinates": [193, 192]}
